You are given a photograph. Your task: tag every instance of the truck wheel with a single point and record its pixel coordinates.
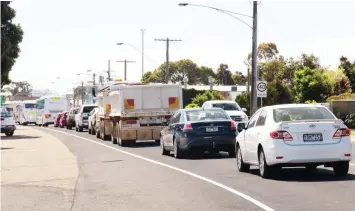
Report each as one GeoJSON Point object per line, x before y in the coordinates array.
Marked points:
{"type": "Point", "coordinates": [97, 134]}
{"type": "Point", "coordinates": [9, 134]}
{"type": "Point", "coordinates": [113, 139]}
{"type": "Point", "coordinates": [93, 132]}
{"type": "Point", "coordinates": [80, 129]}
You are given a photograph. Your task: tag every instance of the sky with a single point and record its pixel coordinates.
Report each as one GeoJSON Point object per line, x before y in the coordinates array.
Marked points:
{"type": "Point", "coordinates": [65, 38]}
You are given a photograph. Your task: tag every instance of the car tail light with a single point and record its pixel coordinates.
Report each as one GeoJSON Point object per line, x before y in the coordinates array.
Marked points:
{"type": "Point", "coordinates": [342, 132]}
{"type": "Point", "coordinates": [187, 128]}
{"type": "Point", "coordinates": [281, 134]}
{"type": "Point", "coordinates": [47, 116]}
{"type": "Point", "coordinates": [233, 125]}
{"type": "Point", "coordinates": [2, 118]}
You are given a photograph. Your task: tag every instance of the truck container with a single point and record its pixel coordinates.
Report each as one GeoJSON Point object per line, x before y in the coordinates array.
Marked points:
{"type": "Point", "coordinates": [131, 111]}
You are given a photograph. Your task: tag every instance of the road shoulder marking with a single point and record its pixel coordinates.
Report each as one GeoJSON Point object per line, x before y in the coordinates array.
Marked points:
{"type": "Point", "coordinates": [242, 195]}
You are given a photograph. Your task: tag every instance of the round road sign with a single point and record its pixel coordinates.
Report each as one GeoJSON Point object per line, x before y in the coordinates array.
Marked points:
{"type": "Point", "coordinates": [261, 87]}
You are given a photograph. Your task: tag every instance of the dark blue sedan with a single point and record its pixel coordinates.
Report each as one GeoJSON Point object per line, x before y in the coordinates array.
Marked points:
{"type": "Point", "coordinates": [199, 130]}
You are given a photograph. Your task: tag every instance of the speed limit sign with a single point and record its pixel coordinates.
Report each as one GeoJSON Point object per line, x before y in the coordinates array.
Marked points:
{"type": "Point", "coordinates": [261, 89]}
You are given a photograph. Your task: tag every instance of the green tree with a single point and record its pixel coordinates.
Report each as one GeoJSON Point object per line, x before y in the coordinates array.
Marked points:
{"type": "Point", "coordinates": [11, 36]}
{"type": "Point", "coordinates": [224, 75]}
{"type": "Point", "coordinates": [239, 78]}
{"type": "Point", "coordinates": [192, 106]}
{"type": "Point", "coordinates": [22, 88]}
{"type": "Point", "coordinates": [309, 60]}
{"type": "Point", "coordinates": [312, 84]}
{"type": "Point", "coordinates": [278, 93]}
{"type": "Point", "coordinates": [206, 72]}
{"type": "Point", "coordinates": [266, 52]}
{"type": "Point", "coordinates": [349, 70]}
{"type": "Point", "coordinates": [207, 95]}
{"type": "Point", "coordinates": [339, 81]}
{"type": "Point", "coordinates": [79, 91]}
{"type": "Point", "coordinates": [243, 100]}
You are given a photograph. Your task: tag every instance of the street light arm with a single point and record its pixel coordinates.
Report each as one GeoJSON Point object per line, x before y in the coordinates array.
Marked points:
{"type": "Point", "coordinates": [222, 11]}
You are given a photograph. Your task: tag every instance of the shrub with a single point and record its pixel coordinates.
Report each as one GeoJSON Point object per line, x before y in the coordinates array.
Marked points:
{"type": "Point", "coordinates": [188, 95]}
{"type": "Point", "coordinates": [207, 95]}
{"type": "Point", "coordinates": [350, 120]}
{"type": "Point", "coordinates": [344, 96]}
{"type": "Point", "coordinates": [310, 102]}
{"type": "Point", "coordinates": [243, 100]}
{"type": "Point", "coordinates": [192, 105]}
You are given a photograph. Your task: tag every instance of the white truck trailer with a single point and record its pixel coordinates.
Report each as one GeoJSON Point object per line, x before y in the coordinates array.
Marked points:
{"type": "Point", "coordinates": [130, 111]}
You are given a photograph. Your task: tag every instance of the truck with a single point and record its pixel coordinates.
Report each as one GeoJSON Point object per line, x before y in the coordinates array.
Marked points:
{"type": "Point", "coordinates": [26, 112]}
{"type": "Point", "coordinates": [131, 111]}
{"type": "Point", "coordinates": [47, 108]}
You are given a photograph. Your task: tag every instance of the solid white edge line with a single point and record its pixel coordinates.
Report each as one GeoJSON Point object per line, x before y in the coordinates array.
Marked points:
{"type": "Point", "coordinates": [246, 197]}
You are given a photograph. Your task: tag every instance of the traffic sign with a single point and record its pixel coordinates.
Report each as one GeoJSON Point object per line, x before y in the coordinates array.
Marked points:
{"type": "Point", "coordinates": [261, 89]}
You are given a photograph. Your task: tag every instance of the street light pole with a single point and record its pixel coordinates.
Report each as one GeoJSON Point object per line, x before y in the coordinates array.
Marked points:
{"type": "Point", "coordinates": [254, 28]}
{"type": "Point", "coordinates": [142, 30]}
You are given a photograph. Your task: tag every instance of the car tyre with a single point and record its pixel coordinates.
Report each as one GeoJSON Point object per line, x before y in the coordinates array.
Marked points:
{"type": "Point", "coordinates": [80, 129]}
{"type": "Point", "coordinates": [242, 167]}
{"type": "Point", "coordinates": [9, 134]}
{"type": "Point", "coordinates": [341, 169]}
{"type": "Point", "coordinates": [264, 169]}
{"type": "Point", "coordinates": [162, 147]}
{"type": "Point", "coordinates": [89, 131]}
{"type": "Point", "coordinates": [232, 153]}
{"type": "Point", "coordinates": [177, 150]}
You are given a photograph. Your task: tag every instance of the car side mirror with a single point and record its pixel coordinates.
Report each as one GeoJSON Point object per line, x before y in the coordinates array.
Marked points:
{"type": "Point", "coordinates": [241, 127]}
{"type": "Point", "coordinates": [244, 110]}
{"type": "Point", "coordinates": [165, 124]}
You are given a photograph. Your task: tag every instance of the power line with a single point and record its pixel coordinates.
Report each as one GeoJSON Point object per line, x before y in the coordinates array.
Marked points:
{"type": "Point", "coordinates": [167, 40]}
{"type": "Point", "coordinates": [125, 67]}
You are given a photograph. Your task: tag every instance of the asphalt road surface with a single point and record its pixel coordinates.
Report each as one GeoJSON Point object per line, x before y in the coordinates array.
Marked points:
{"type": "Point", "coordinates": [140, 178]}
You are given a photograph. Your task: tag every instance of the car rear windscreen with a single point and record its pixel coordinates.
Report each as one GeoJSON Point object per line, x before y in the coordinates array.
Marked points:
{"type": "Point", "coordinates": [5, 114]}
{"type": "Point", "coordinates": [227, 106]}
{"type": "Point", "coordinates": [301, 113]}
{"type": "Point", "coordinates": [201, 115]}
{"type": "Point", "coordinates": [27, 105]}
{"type": "Point", "coordinates": [88, 109]}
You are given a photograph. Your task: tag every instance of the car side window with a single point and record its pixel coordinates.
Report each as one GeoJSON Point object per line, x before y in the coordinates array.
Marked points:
{"type": "Point", "coordinates": [261, 119]}
{"type": "Point", "coordinates": [182, 118]}
{"type": "Point", "coordinates": [177, 118]}
{"type": "Point", "coordinates": [253, 120]}
{"type": "Point", "coordinates": [172, 119]}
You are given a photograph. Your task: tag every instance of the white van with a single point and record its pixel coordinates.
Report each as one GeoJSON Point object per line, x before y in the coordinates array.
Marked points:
{"type": "Point", "coordinates": [26, 112]}
{"type": "Point", "coordinates": [7, 122]}
{"type": "Point", "coordinates": [48, 107]}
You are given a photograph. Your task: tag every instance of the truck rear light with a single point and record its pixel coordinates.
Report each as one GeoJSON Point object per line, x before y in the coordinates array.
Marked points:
{"type": "Point", "coordinates": [131, 122]}
{"type": "Point", "coordinates": [47, 116]}
{"type": "Point", "coordinates": [233, 126]}
{"type": "Point", "coordinates": [187, 128]}
{"type": "Point", "coordinates": [341, 133]}
{"type": "Point", "coordinates": [347, 155]}
{"type": "Point", "coordinates": [281, 134]}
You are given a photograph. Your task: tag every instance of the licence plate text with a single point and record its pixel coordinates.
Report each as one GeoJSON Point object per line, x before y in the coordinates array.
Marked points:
{"type": "Point", "coordinates": [312, 137]}
{"type": "Point", "coordinates": [211, 129]}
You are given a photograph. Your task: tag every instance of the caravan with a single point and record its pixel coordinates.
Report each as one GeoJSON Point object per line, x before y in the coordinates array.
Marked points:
{"type": "Point", "coordinates": [47, 108]}
{"type": "Point", "coordinates": [26, 112]}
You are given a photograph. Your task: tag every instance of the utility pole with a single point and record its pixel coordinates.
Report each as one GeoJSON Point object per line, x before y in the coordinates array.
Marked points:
{"type": "Point", "coordinates": [142, 30]}
{"type": "Point", "coordinates": [109, 71]}
{"type": "Point", "coordinates": [125, 67]}
{"type": "Point", "coordinates": [167, 40]}
{"type": "Point", "coordinates": [254, 71]}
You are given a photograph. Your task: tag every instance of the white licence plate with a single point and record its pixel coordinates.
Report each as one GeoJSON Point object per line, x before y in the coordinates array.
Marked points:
{"type": "Point", "coordinates": [312, 137]}
{"type": "Point", "coordinates": [211, 129]}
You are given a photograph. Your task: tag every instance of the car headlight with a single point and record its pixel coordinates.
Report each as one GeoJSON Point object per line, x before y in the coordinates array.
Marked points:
{"type": "Point", "coordinates": [245, 117]}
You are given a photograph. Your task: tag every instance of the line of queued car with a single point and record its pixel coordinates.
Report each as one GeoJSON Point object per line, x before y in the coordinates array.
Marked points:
{"type": "Point", "coordinates": [294, 135]}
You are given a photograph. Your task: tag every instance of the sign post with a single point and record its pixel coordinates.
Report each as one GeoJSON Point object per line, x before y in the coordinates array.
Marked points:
{"type": "Point", "coordinates": [261, 90]}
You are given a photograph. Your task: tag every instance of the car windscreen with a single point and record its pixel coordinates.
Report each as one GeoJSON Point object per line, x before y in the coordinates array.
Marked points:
{"type": "Point", "coordinates": [30, 105]}
{"type": "Point", "coordinates": [87, 109]}
{"type": "Point", "coordinates": [227, 106]}
{"type": "Point", "coordinates": [5, 114]}
{"type": "Point", "coordinates": [201, 115]}
{"type": "Point", "coordinates": [301, 113]}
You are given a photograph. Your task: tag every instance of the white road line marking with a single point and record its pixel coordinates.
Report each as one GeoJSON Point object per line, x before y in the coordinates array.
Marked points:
{"type": "Point", "coordinates": [246, 197]}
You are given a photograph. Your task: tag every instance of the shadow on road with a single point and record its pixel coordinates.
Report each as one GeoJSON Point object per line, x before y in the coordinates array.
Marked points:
{"type": "Point", "coordinates": [302, 175]}
{"type": "Point", "coordinates": [5, 148]}
{"type": "Point", "coordinates": [143, 144]}
{"type": "Point", "coordinates": [18, 137]}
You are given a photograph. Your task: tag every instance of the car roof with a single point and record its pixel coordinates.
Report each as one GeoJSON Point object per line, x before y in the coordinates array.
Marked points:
{"type": "Point", "coordinates": [293, 105]}
{"type": "Point", "coordinates": [220, 101]}
{"type": "Point", "coordinates": [201, 109]}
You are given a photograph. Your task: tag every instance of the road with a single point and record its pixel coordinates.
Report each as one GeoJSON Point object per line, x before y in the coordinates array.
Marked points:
{"type": "Point", "coordinates": [140, 178]}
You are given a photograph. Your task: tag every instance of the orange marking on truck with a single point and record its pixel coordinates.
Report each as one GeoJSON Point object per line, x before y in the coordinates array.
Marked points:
{"type": "Point", "coordinates": [173, 102]}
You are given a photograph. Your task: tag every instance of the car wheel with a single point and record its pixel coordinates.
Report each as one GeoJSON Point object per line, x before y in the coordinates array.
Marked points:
{"type": "Point", "coordinates": [93, 132]}
{"type": "Point", "coordinates": [264, 169]}
{"type": "Point", "coordinates": [341, 169]}
{"type": "Point", "coordinates": [177, 150]}
{"type": "Point", "coordinates": [9, 134]}
{"type": "Point", "coordinates": [76, 129]}
{"type": "Point", "coordinates": [242, 167]}
{"type": "Point", "coordinates": [89, 131]}
{"type": "Point", "coordinates": [80, 129]}
{"type": "Point", "coordinates": [162, 147]}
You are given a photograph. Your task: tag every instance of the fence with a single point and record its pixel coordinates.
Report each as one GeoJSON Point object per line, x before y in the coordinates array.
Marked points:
{"type": "Point", "coordinates": [342, 107]}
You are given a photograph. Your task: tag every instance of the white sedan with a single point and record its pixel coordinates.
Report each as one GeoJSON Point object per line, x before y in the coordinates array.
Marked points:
{"type": "Point", "coordinates": [293, 135]}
